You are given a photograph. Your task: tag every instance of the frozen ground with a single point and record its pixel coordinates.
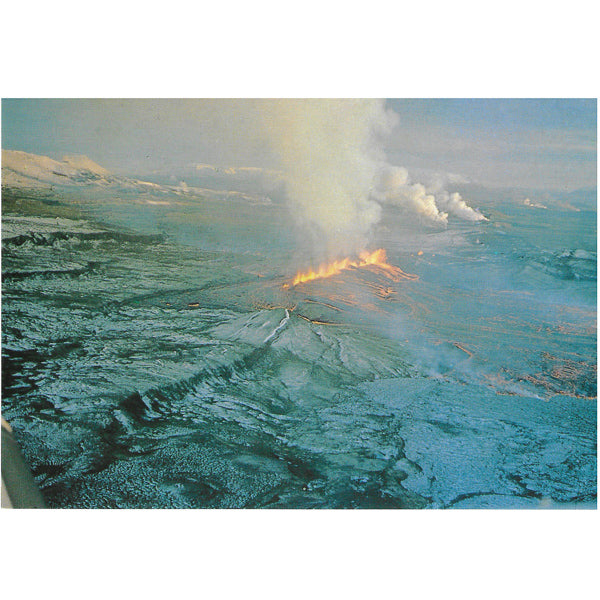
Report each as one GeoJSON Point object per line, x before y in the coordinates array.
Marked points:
{"type": "Point", "coordinates": [159, 362]}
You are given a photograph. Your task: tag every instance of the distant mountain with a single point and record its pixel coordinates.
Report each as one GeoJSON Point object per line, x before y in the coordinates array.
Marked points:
{"type": "Point", "coordinates": [22, 169]}
{"type": "Point", "coordinates": [41, 173]}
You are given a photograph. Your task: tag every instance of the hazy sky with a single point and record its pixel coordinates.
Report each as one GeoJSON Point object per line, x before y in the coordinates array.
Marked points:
{"type": "Point", "coordinates": [508, 143]}
{"type": "Point", "coordinates": [547, 143]}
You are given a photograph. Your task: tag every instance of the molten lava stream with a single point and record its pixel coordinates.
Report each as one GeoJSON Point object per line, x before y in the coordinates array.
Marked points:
{"type": "Point", "coordinates": [377, 258]}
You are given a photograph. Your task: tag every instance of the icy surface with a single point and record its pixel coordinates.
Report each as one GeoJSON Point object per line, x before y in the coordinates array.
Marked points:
{"type": "Point", "coordinates": [165, 365]}
{"type": "Point", "coordinates": [479, 449]}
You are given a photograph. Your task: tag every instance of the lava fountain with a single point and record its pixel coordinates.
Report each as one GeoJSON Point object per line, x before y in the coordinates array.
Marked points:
{"type": "Point", "coordinates": [376, 259]}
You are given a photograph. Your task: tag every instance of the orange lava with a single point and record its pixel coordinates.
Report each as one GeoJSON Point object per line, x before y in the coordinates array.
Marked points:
{"type": "Point", "coordinates": [377, 259]}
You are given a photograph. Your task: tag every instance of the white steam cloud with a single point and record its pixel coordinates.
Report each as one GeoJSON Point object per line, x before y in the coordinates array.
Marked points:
{"type": "Point", "coordinates": [330, 152]}
{"type": "Point", "coordinates": [337, 179]}
{"type": "Point", "coordinates": [528, 202]}
{"type": "Point", "coordinates": [434, 203]}
{"type": "Point", "coordinates": [331, 155]}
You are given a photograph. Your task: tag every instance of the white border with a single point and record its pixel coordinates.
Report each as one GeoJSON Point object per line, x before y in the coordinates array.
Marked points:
{"type": "Point", "coordinates": [460, 49]}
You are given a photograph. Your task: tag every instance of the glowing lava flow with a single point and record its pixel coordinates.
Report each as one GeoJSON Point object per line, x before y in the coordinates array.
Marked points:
{"type": "Point", "coordinates": [377, 258]}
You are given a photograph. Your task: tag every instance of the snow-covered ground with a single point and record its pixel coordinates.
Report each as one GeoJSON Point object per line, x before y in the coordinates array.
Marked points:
{"type": "Point", "coordinates": [158, 360]}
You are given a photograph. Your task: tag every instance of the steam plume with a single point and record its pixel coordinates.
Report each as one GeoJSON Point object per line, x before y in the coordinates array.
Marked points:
{"type": "Point", "coordinates": [332, 159]}
{"type": "Point", "coordinates": [434, 203]}
{"type": "Point", "coordinates": [330, 151]}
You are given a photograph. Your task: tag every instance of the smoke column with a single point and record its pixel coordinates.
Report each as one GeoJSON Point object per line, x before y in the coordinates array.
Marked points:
{"type": "Point", "coordinates": [433, 203]}
{"type": "Point", "coordinates": [330, 152]}
{"type": "Point", "coordinates": [337, 177]}
{"type": "Point", "coordinates": [331, 155]}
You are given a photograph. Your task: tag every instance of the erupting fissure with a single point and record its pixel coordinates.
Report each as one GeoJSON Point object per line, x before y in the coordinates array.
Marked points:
{"type": "Point", "coordinates": [377, 258]}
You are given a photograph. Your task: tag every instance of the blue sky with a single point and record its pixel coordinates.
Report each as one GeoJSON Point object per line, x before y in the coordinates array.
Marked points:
{"type": "Point", "coordinates": [508, 114]}
{"type": "Point", "coordinates": [538, 143]}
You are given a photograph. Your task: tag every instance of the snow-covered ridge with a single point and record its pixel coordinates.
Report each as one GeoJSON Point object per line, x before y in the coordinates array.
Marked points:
{"type": "Point", "coordinates": [20, 169]}
{"type": "Point", "coordinates": [25, 170]}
